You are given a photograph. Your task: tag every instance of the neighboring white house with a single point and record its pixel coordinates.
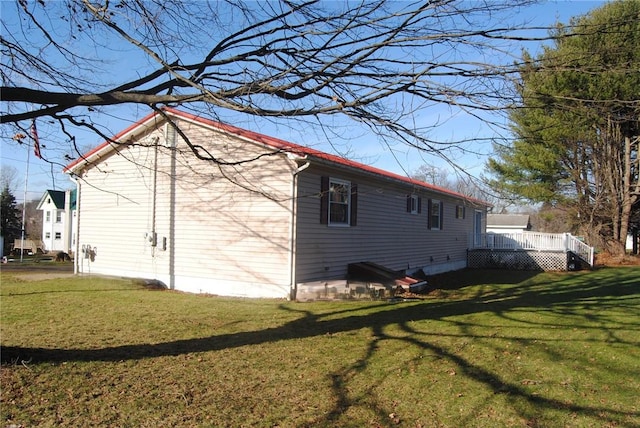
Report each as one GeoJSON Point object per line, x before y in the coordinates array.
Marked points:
{"type": "Point", "coordinates": [253, 215]}
{"type": "Point", "coordinates": [508, 223]}
{"type": "Point", "coordinates": [58, 226]}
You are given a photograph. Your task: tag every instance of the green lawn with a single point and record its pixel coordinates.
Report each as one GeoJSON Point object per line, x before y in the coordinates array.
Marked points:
{"type": "Point", "coordinates": [487, 349]}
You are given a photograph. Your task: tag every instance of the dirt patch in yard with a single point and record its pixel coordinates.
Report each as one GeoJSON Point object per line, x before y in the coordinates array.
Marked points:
{"type": "Point", "coordinates": [41, 276]}
{"type": "Point", "coordinates": [37, 271]}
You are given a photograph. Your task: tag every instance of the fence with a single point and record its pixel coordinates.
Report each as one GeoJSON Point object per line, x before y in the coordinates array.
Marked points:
{"type": "Point", "coordinates": [533, 241]}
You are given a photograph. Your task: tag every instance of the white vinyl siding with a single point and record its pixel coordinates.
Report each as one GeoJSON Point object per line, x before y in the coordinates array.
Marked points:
{"type": "Point", "coordinates": [218, 229]}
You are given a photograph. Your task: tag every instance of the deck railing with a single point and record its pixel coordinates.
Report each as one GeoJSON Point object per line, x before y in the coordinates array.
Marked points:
{"type": "Point", "coordinates": [580, 248]}
{"type": "Point", "coordinates": [534, 241]}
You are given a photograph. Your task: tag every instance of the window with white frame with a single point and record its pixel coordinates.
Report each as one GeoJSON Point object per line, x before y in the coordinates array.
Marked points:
{"type": "Point", "coordinates": [48, 216]}
{"type": "Point", "coordinates": [338, 202]}
{"type": "Point", "coordinates": [58, 235]}
{"type": "Point", "coordinates": [414, 204]}
{"type": "Point", "coordinates": [435, 214]}
{"type": "Point", "coordinates": [47, 235]}
{"type": "Point", "coordinates": [58, 216]}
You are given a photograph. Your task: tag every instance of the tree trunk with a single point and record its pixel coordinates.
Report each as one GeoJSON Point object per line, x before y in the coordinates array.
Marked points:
{"type": "Point", "coordinates": [616, 248]}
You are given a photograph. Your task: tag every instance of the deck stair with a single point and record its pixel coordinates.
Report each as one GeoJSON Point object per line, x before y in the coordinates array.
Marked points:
{"type": "Point", "coordinates": [373, 272]}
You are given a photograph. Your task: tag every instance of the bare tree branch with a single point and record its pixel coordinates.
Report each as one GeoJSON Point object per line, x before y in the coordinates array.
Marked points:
{"type": "Point", "coordinates": [377, 62]}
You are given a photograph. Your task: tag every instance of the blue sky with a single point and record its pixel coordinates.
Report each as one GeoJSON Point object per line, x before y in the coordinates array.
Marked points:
{"type": "Point", "coordinates": [352, 141]}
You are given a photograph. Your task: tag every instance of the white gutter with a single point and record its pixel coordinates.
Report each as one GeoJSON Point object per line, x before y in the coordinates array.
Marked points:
{"type": "Point", "coordinates": [67, 221]}
{"type": "Point", "coordinates": [294, 223]}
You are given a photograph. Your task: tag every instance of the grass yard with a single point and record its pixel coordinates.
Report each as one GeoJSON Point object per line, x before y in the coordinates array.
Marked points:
{"type": "Point", "coordinates": [487, 349]}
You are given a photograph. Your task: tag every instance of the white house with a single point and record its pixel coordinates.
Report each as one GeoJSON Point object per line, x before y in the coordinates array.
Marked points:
{"type": "Point", "coordinates": [58, 225]}
{"type": "Point", "coordinates": [508, 223]}
{"type": "Point", "coordinates": [218, 209]}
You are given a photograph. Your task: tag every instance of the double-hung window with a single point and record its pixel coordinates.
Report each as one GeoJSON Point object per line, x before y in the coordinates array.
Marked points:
{"type": "Point", "coordinates": [338, 202]}
{"type": "Point", "coordinates": [435, 214]}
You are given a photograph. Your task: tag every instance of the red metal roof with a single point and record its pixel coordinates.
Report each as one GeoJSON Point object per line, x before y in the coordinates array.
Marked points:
{"type": "Point", "coordinates": [275, 143]}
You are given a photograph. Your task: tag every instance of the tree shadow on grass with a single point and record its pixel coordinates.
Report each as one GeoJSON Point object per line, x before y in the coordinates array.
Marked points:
{"type": "Point", "coordinates": [589, 292]}
{"type": "Point", "coordinates": [583, 298]}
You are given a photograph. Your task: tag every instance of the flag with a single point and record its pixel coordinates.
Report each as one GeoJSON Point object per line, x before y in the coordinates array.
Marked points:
{"type": "Point", "coordinates": [36, 140]}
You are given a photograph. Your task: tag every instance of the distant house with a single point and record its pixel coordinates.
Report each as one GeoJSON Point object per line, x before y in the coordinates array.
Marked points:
{"type": "Point", "coordinates": [508, 223]}
{"type": "Point", "coordinates": [58, 225]}
{"type": "Point", "coordinates": [265, 219]}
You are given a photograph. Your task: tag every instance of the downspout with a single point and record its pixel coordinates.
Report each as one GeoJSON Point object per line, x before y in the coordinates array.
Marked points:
{"type": "Point", "coordinates": [154, 196]}
{"type": "Point", "coordinates": [67, 221]}
{"type": "Point", "coordinates": [293, 227]}
{"type": "Point", "coordinates": [171, 141]}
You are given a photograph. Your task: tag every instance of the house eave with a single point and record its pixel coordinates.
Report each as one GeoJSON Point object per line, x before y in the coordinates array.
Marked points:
{"type": "Point", "coordinates": [107, 148]}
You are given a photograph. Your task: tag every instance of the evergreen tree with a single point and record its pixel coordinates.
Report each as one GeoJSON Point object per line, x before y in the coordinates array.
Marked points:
{"type": "Point", "coordinates": [11, 220]}
{"type": "Point", "coordinates": [577, 128]}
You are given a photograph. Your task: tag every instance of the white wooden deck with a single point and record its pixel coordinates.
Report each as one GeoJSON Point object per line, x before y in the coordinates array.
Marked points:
{"type": "Point", "coordinates": [533, 241]}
